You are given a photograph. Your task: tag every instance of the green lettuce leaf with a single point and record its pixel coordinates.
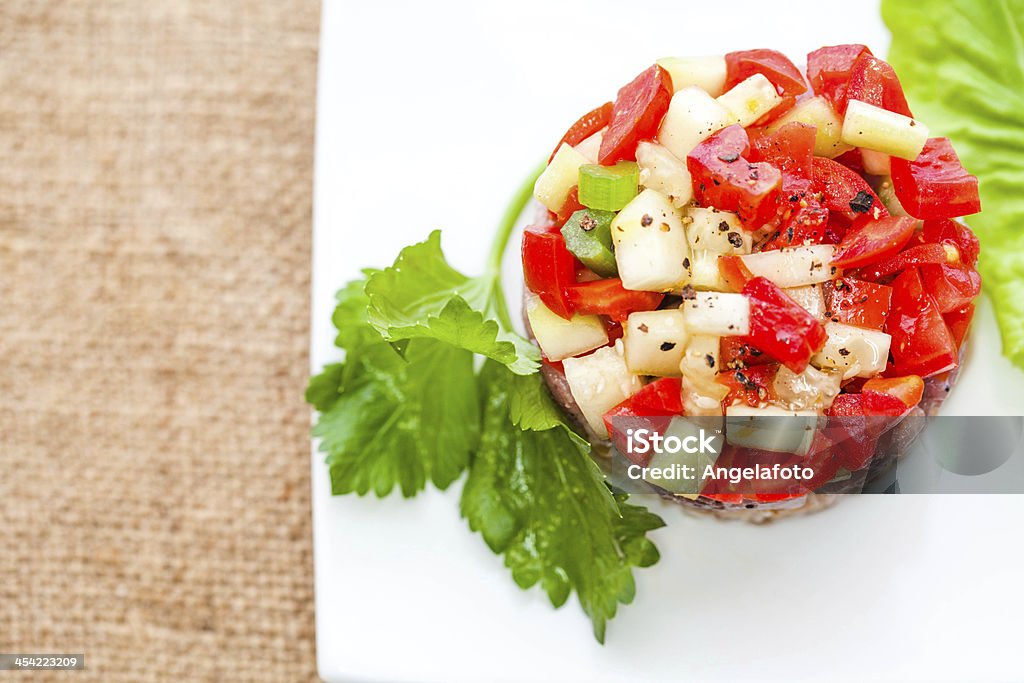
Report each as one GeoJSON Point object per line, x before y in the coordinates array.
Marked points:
{"type": "Point", "coordinates": [961, 63]}
{"type": "Point", "coordinates": [421, 296]}
{"type": "Point", "coordinates": [536, 496]}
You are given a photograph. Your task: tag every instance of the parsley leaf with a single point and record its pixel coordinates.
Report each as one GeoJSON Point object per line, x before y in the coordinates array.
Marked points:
{"type": "Point", "coordinates": [421, 296]}
{"type": "Point", "coordinates": [407, 405]}
{"type": "Point", "coordinates": [961, 63]}
{"type": "Point", "coordinates": [386, 420]}
{"type": "Point", "coordinates": [536, 496]}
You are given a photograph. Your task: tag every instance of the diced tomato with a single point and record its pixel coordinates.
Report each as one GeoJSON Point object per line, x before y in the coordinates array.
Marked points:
{"type": "Point", "coordinates": [828, 70]}
{"type": "Point", "coordinates": [959, 322]}
{"type": "Point", "coordinates": [856, 421]}
{"type": "Point", "coordinates": [870, 240]}
{"type": "Point", "coordinates": [549, 269]}
{"type": "Point", "coordinates": [650, 408]}
{"type": "Point", "coordinates": [662, 397]}
{"type": "Point", "coordinates": [935, 185]}
{"type": "Point", "coordinates": [911, 257]}
{"type": "Point", "coordinates": [921, 342]}
{"type": "Point", "coordinates": [723, 178]}
{"type": "Point", "coordinates": [588, 124]}
{"type": "Point", "coordinates": [781, 327]}
{"type": "Point", "coordinates": [608, 297]}
{"type": "Point", "coordinates": [948, 231]}
{"type": "Point", "coordinates": [613, 329]}
{"type": "Point", "coordinates": [855, 302]}
{"type": "Point", "coordinates": [952, 286]}
{"type": "Point", "coordinates": [636, 115]}
{"type": "Point", "coordinates": [789, 149]}
{"type": "Point", "coordinates": [807, 224]}
{"type": "Point", "coordinates": [736, 353]}
{"type": "Point", "coordinates": [823, 459]}
{"type": "Point", "coordinates": [734, 271]}
{"type": "Point", "coordinates": [852, 160]}
{"type": "Point", "coordinates": [554, 365]}
{"type": "Point", "coordinates": [775, 66]}
{"type": "Point", "coordinates": [571, 206]}
{"type": "Point", "coordinates": [738, 458]}
{"type": "Point", "coordinates": [845, 193]}
{"type": "Point", "coordinates": [909, 389]}
{"type": "Point", "coordinates": [751, 386]}
{"type": "Point", "coordinates": [872, 80]}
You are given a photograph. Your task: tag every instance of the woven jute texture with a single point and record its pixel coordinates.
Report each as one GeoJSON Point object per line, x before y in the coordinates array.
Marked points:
{"type": "Point", "coordinates": [155, 203]}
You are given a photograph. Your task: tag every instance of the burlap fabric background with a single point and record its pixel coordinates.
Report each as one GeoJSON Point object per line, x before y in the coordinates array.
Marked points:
{"type": "Point", "coordinates": [155, 203]}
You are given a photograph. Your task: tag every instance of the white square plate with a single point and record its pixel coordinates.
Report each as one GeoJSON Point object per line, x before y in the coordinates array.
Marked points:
{"type": "Point", "coordinates": [429, 116]}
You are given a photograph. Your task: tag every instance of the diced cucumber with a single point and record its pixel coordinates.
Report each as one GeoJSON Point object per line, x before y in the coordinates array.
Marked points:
{"type": "Point", "coordinates": [559, 338]}
{"type": "Point", "coordinates": [770, 428]}
{"type": "Point", "coordinates": [654, 342]}
{"type": "Point", "coordinates": [590, 147]}
{"type": "Point", "coordinates": [749, 100]}
{"type": "Point", "coordinates": [588, 235]}
{"type": "Point", "coordinates": [857, 351]}
{"type": "Point", "coordinates": [812, 389]}
{"type": "Point", "coordinates": [710, 233]}
{"type": "Point", "coordinates": [707, 73]}
{"type": "Point", "coordinates": [661, 170]}
{"type": "Point", "coordinates": [682, 428]}
{"type": "Point", "coordinates": [702, 395]}
{"type": "Point", "coordinates": [810, 297]}
{"type": "Point", "coordinates": [650, 244]}
{"type": "Point", "coordinates": [795, 266]}
{"type": "Point", "coordinates": [692, 117]}
{"type": "Point", "coordinates": [817, 112]}
{"type": "Point", "coordinates": [876, 163]}
{"type": "Point", "coordinates": [561, 175]}
{"type": "Point", "coordinates": [717, 231]}
{"type": "Point", "coordinates": [608, 188]}
{"type": "Point", "coordinates": [884, 131]}
{"type": "Point", "coordinates": [599, 382]}
{"type": "Point", "coordinates": [717, 313]}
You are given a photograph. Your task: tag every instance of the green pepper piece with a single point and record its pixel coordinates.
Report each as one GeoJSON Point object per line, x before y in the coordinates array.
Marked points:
{"type": "Point", "coordinates": [588, 235]}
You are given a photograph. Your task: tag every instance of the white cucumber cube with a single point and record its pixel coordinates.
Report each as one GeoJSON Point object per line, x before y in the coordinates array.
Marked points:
{"type": "Point", "coordinates": [856, 351]}
{"type": "Point", "coordinates": [883, 131]}
{"type": "Point", "coordinates": [812, 389]}
{"type": "Point", "coordinates": [817, 112]}
{"type": "Point", "coordinates": [654, 342]}
{"type": "Point", "coordinates": [663, 171]}
{"type": "Point", "coordinates": [692, 117]}
{"type": "Point", "coordinates": [795, 266]}
{"type": "Point", "coordinates": [560, 176]}
{"type": "Point", "coordinates": [749, 100]}
{"type": "Point", "coordinates": [559, 338]}
{"type": "Point", "coordinates": [770, 428]}
{"type": "Point", "coordinates": [702, 395]}
{"type": "Point", "coordinates": [811, 298]}
{"type": "Point", "coordinates": [706, 73]}
{"type": "Point", "coordinates": [717, 313]}
{"type": "Point", "coordinates": [693, 432]}
{"type": "Point", "coordinates": [599, 382]}
{"type": "Point", "coordinates": [650, 244]}
{"type": "Point", "coordinates": [711, 233]}
{"type": "Point", "coordinates": [591, 146]}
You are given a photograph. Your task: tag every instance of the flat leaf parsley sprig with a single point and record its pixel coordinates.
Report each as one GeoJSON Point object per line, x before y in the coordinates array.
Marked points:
{"type": "Point", "coordinates": [407, 405]}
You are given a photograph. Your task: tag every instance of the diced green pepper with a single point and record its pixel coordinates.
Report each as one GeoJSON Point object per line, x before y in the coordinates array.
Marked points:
{"type": "Point", "coordinates": [608, 188]}
{"type": "Point", "coordinates": [588, 235]}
